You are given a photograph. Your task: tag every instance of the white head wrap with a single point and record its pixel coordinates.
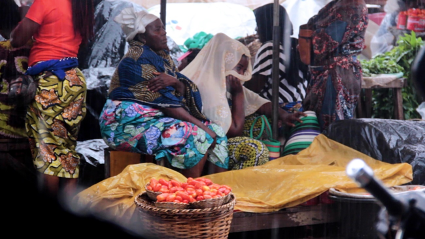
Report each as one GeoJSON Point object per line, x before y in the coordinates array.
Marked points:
{"type": "Point", "coordinates": [133, 22]}
{"type": "Point", "coordinates": [18, 2]}
{"type": "Point", "coordinates": [208, 71]}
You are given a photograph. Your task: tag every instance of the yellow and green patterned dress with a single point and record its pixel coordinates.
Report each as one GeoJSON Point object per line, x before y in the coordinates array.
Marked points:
{"type": "Point", "coordinates": [53, 121]}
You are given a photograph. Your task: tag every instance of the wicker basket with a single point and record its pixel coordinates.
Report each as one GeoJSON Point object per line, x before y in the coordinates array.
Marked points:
{"type": "Point", "coordinates": [185, 223]}
{"type": "Point", "coordinates": [171, 205]}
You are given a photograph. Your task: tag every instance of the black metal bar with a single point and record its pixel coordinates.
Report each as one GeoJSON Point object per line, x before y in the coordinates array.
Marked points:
{"type": "Point", "coordinates": [275, 68]}
{"type": "Point", "coordinates": [163, 11]}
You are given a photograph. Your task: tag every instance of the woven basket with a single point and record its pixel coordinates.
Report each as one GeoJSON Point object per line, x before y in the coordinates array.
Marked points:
{"type": "Point", "coordinates": [185, 223]}
{"type": "Point", "coordinates": [171, 205]}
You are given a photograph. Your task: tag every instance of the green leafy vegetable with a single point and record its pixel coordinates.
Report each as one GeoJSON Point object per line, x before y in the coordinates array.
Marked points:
{"type": "Point", "coordinates": [398, 59]}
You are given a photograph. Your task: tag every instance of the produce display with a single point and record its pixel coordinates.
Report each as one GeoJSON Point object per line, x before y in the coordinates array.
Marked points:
{"type": "Point", "coordinates": [398, 59]}
{"type": "Point", "coordinates": [412, 19]}
{"type": "Point", "coordinates": [189, 192]}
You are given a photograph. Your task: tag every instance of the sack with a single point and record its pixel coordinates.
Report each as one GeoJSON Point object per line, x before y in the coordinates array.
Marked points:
{"type": "Point", "coordinates": [22, 90]}
{"type": "Point", "coordinates": [304, 44]}
{"type": "Point", "coordinates": [272, 144]}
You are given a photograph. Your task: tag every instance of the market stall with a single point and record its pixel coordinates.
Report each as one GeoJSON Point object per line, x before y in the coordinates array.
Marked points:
{"type": "Point", "coordinates": [280, 184]}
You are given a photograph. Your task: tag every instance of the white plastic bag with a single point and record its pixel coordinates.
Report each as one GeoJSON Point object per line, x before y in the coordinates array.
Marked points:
{"type": "Point", "coordinates": [421, 110]}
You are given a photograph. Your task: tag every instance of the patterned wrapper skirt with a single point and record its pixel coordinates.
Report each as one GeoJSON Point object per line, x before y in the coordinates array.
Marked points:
{"type": "Point", "coordinates": [133, 127]}
{"type": "Point", "coordinates": [53, 120]}
{"type": "Point", "coordinates": [245, 151]}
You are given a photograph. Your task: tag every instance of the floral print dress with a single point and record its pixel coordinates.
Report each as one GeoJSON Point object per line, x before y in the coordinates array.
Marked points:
{"type": "Point", "coordinates": [134, 127]}
{"type": "Point", "coordinates": [336, 74]}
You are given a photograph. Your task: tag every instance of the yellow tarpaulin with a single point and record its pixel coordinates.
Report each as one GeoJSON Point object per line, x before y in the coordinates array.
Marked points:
{"type": "Point", "coordinates": [281, 183]}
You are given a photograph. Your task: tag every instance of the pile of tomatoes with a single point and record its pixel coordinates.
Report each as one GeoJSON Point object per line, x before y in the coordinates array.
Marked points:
{"type": "Point", "coordinates": [191, 191]}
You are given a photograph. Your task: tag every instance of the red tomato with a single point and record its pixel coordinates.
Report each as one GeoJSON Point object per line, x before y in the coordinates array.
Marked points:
{"type": "Point", "coordinates": [200, 184]}
{"type": "Point", "coordinates": [184, 185]}
{"type": "Point", "coordinates": [174, 189]}
{"type": "Point", "coordinates": [185, 201]}
{"type": "Point", "coordinates": [157, 187]}
{"type": "Point", "coordinates": [200, 198]}
{"type": "Point", "coordinates": [193, 182]}
{"type": "Point", "coordinates": [164, 182]}
{"type": "Point", "coordinates": [171, 197]}
{"type": "Point", "coordinates": [164, 190]}
{"type": "Point", "coordinates": [153, 182]}
{"type": "Point", "coordinates": [178, 198]}
{"type": "Point", "coordinates": [214, 186]}
{"type": "Point", "coordinates": [205, 188]}
{"type": "Point", "coordinates": [189, 179]}
{"type": "Point", "coordinates": [192, 199]}
{"type": "Point", "coordinates": [207, 193]}
{"type": "Point", "coordinates": [199, 192]}
{"type": "Point", "coordinates": [149, 188]}
{"type": "Point", "coordinates": [190, 186]}
{"type": "Point", "coordinates": [207, 196]}
{"type": "Point", "coordinates": [227, 191]}
{"type": "Point", "coordinates": [175, 183]}
{"type": "Point", "coordinates": [208, 182]}
{"type": "Point", "coordinates": [183, 195]}
{"type": "Point", "coordinates": [162, 197]}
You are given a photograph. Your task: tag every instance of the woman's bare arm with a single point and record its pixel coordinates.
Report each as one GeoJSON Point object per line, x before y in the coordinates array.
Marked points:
{"type": "Point", "coordinates": [23, 32]}
{"type": "Point", "coordinates": [238, 106]}
{"type": "Point", "coordinates": [284, 117]}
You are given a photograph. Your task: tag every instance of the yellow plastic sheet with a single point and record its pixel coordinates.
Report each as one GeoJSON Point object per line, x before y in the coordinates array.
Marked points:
{"type": "Point", "coordinates": [281, 183]}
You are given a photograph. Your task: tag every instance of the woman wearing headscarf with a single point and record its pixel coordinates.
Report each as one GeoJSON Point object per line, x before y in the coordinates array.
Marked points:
{"type": "Point", "coordinates": [338, 37]}
{"type": "Point", "coordinates": [292, 76]}
{"type": "Point", "coordinates": [153, 109]}
{"type": "Point", "coordinates": [53, 119]}
{"type": "Point", "coordinates": [219, 71]}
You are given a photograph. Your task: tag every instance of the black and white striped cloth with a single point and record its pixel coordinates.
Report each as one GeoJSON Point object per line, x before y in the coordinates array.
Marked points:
{"type": "Point", "coordinates": [263, 66]}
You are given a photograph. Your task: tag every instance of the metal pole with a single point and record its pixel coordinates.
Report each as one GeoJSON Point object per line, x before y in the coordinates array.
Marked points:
{"type": "Point", "coordinates": [163, 11]}
{"type": "Point", "coordinates": [275, 68]}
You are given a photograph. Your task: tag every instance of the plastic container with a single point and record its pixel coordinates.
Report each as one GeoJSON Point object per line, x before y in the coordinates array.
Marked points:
{"type": "Point", "coordinates": [413, 19]}
{"type": "Point", "coordinates": [402, 20]}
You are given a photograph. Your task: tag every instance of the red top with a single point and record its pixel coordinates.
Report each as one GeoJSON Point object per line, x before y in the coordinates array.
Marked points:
{"type": "Point", "coordinates": [55, 39]}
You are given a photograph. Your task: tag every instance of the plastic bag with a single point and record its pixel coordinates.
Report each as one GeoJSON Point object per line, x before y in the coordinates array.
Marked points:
{"type": "Point", "coordinates": [421, 110]}
{"type": "Point", "coordinates": [283, 182]}
{"type": "Point", "coordinates": [387, 140]}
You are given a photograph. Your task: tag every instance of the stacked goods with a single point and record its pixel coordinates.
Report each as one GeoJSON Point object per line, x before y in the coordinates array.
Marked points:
{"type": "Point", "coordinates": [413, 19]}
{"type": "Point", "coordinates": [194, 193]}
{"type": "Point", "coordinates": [197, 208]}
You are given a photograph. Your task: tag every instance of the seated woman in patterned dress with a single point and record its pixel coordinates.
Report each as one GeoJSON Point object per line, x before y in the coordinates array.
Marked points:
{"type": "Point", "coordinates": [153, 109]}
{"type": "Point", "coordinates": [219, 70]}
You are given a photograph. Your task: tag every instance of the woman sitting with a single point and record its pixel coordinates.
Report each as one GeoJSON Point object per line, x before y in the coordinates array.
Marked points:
{"type": "Point", "coordinates": [219, 70]}
{"type": "Point", "coordinates": [153, 109]}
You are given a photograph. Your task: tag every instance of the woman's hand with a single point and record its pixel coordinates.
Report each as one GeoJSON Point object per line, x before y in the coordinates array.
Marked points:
{"type": "Point", "coordinates": [289, 119]}
{"type": "Point", "coordinates": [233, 84]}
{"type": "Point", "coordinates": [213, 135]}
{"type": "Point", "coordinates": [162, 81]}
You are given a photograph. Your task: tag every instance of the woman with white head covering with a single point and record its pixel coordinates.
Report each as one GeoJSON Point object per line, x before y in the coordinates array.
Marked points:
{"type": "Point", "coordinates": [219, 71]}
{"type": "Point", "coordinates": [153, 109]}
